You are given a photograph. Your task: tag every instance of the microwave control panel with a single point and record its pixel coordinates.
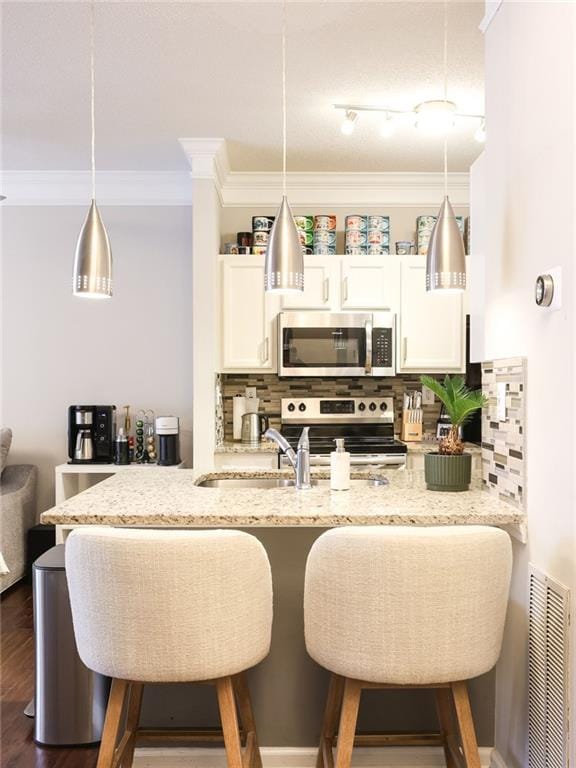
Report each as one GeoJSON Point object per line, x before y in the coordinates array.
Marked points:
{"type": "Point", "coordinates": [382, 350]}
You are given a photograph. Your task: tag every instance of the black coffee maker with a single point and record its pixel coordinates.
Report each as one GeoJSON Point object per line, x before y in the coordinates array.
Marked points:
{"type": "Point", "coordinates": [91, 433]}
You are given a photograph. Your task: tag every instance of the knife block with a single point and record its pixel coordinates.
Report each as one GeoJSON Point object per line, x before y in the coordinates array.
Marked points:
{"type": "Point", "coordinates": [411, 430]}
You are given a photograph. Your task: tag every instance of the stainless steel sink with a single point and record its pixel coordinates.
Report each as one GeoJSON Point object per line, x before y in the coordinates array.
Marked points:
{"type": "Point", "coordinates": [274, 482]}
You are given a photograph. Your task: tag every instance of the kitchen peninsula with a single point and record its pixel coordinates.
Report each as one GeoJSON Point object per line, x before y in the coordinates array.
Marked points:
{"type": "Point", "coordinates": [181, 499]}
{"type": "Point", "coordinates": [287, 522]}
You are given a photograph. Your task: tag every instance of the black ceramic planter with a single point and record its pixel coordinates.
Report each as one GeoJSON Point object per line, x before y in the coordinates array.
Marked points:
{"type": "Point", "coordinates": [447, 473]}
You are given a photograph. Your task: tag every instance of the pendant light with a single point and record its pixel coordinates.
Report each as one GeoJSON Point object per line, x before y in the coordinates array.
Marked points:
{"type": "Point", "coordinates": [284, 265]}
{"type": "Point", "coordinates": [446, 261]}
{"type": "Point", "coordinates": [93, 261]}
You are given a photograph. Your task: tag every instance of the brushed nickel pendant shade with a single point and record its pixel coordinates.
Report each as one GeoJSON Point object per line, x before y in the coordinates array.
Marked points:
{"type": "Point", "coordinates": [93, 260]}
{"type": "Point", "coordinates": [92, 278]}
{"type": "Point", "coordinates": [284, 264]}
{"type": "Point", "coordinates": [284, 267]}
{"type": "Point", "coordinates": [445, 259]}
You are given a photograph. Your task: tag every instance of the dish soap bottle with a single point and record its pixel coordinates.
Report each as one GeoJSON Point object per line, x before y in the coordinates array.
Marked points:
{"type": "Point", "coordinates": [340, 467]}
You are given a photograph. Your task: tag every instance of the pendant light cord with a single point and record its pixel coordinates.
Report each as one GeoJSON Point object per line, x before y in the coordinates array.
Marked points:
{"type": "Point", "coordinates": [92, 110]}
{"type": "Point", "coordinates": [445, 65]}
{"type": "Point", "coordinates": [284, 98]}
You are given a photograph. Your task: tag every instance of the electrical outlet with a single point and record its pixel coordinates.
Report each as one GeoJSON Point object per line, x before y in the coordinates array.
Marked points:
{"type": "Point", "coordinates": [427, 396]}
{"type": "Point", "coordinates": [250, 392]}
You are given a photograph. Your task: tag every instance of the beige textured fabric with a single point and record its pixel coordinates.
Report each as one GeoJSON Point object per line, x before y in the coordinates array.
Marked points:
{"type": "Point", "coordinates": [5, 443]}
{"type": "Point", "coordinates": [407, 605]}
{"type": "Point", "coordinates": [169, 606]}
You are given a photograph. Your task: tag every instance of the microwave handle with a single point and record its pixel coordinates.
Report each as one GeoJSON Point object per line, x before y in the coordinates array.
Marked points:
{"type": "Point", "coordinates": [368, 365]}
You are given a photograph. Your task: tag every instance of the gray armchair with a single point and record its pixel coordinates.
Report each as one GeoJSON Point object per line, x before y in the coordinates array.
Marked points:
{"type": "Point", "coordinates": [18, 515]}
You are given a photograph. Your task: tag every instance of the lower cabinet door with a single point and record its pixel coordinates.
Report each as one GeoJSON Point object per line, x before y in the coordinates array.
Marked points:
{"type": "Point", "coordinates": [431, 326]}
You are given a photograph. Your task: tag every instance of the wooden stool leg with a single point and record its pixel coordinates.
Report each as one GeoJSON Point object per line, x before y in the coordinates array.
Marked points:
{"type": "Point", "coordinates": [247, 719]}
{"type": "Point", "coordinates": [465, 724]}
{"type": "Point", "coordinates": [449, 739]}
{"type": "Point", "coordinates": [112, 723]}
{"type": "Point", "coordinates": [227, 705]}
{"type": "Point", "coordinates": [348, 718]}
{"type": "Point", "coordinates": [325, 758]}
{"type": "Point", "coordinates": [132, 720]}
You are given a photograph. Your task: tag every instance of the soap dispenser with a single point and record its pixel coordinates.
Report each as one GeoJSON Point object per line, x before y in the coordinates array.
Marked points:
{"type": "Point", "coordinates": [339, 467]}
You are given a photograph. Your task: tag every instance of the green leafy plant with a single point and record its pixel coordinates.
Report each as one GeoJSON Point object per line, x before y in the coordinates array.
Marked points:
{"type": "Point", "coordinates": [460, 403]}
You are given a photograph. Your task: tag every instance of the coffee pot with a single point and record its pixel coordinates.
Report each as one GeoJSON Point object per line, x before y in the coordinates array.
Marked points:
{"type": "Point", "coordinates": [253, 426]}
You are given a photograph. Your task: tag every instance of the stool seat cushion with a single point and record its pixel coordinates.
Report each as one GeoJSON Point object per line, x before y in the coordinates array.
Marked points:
{"type": "Point", "coordinates": [169, 606]}
{"type": "Point", "coordinates": [407, 605]}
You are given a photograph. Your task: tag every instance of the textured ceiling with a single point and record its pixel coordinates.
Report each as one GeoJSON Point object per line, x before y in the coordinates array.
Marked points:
{"type": "Point", "coordinates": [198, 69]}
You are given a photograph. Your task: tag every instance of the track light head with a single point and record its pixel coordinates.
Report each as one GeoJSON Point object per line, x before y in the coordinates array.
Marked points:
{"type": "Point", "coordinates": [349, 123]}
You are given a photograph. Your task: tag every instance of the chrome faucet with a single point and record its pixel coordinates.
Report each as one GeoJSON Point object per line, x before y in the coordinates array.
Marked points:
{"type": "Point", "coordinates": [300, 460]}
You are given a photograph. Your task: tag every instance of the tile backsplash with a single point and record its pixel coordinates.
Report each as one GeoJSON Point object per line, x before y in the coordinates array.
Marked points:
{"type": "Point", "coordinates": [504, 430]}
{"type": "Point", "coordinates": [271, 389]}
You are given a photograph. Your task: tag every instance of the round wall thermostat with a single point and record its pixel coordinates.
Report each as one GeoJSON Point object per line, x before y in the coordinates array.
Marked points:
{"type": "Point", "coordinates": [544, 291]}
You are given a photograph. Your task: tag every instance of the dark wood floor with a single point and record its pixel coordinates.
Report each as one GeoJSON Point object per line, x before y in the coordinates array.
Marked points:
{"type": "Point", "coordinates": [17, 687]}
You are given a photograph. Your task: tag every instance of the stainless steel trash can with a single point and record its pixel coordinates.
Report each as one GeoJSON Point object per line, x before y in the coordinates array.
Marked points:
{"type": "Point", "coordinates": [70, 700]}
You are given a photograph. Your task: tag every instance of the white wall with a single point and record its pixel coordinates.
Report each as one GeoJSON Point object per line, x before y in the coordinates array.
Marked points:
{"type": "Point", "coordinates": [59, 350]}
{"type": "Point", "coordinates": [529, 211]}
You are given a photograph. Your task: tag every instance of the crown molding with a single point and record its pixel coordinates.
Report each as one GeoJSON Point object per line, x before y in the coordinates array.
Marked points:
{"type": "Point", "coordinates": [394, 190]}
{"type": "Point", "coordinates": [208, 159]}
{"type": "Point", "coordinates": [113, 188]}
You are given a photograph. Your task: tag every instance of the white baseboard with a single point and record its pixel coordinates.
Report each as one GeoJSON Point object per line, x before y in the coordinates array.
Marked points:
{"type": "Point", "coordinates": [497, 761]}
{"type": "Point", "coordinates": [305, 757]}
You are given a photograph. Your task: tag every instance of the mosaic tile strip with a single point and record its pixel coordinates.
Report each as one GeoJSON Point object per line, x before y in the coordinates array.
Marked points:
{"type": "Point", "coordinates": [272, 389]}
{"type": "Point", "coordinates": [504, 441]}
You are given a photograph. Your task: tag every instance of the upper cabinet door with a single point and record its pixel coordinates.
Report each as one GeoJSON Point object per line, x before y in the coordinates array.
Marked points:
{"type": "Point", "coordinates": [370, 282]}
{"type": "Point", "coordinates": [320, 285]}
{"type": "Point", "coordinates": [431, 335]}
{"type": "Point", "coordinates": [248, 316]}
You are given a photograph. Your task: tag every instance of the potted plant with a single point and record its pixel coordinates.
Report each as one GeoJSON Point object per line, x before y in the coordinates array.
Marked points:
{"type": "Point", "coordinates": [450, 469]}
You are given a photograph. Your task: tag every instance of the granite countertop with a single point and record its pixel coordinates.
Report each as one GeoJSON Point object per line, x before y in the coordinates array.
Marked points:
{"type": "Point", "coordinates": [175, 499]}
{"type": "Point", "coordinates": [267, 446]}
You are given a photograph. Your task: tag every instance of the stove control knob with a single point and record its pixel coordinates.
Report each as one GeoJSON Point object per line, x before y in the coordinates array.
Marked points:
{"type": "Point", "coordinates": [302, 407]}
{"type": "Point", "coordinates": [383, 407]}
{"type": "Point", "coordinates": [372, 406]}
{"type": "Point", "coordinates": [362, 406]}
{"type": "Point", "coordinates": [291, 407]}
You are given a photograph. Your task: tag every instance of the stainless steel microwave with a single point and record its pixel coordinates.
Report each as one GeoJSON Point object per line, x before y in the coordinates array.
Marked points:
{"type": "Point", "coordinates": [336, 344]}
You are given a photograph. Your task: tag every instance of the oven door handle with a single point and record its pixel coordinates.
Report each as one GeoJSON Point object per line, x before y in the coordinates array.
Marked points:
{"type": "Point", "coordinates": [368, 363]}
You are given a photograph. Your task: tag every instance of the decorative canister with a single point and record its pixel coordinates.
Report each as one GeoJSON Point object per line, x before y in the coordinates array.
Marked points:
{"type": "Point", "coordinates": [355, 237]}
{"type": "Point", "coordinates": [378, 222]}
{"type": "Point", "coordinates": [377, 237]}
{"type": "Point", "coordinates": [244, 239]}
{"type": "Point", "coordinates": [259, 250]}
{"type": "Point", "coordinates": [231, 248]}
{"type": "Point", "coordinates": [320, 249]}
{"type": "Point", "coordinates": [356, 250]}
{"type": "Point", "coordinates": [325, 221]}
{"type": "Point", "coordinates": [261, 237]}
{"type": "Point", "coordinates": [262, 223]}
{"type": "Point", "coordinates": [404, 247]}
{"type": "Point", "coordinates": [355, 222]}
{"type": "Point", "coordinates": [325, 237]}
{"type": "Point", "coordinates": [378, 250]}
{"type": "Point", "coordinates": [304, 223]}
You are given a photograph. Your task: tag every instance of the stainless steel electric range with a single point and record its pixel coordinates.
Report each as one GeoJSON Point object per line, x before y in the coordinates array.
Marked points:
{"type": "Point", "coordinates": [365, 423]}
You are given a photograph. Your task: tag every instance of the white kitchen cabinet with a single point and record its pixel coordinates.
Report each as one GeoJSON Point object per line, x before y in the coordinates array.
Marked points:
{"type": "Point", "coordinates": [370, 282]}
{"type": "Point", "coordinates": [431, 326]}
{"type": "Point", "coordinates": [247, 317]}
{"type": "Point", "coordinates": [321, 285]}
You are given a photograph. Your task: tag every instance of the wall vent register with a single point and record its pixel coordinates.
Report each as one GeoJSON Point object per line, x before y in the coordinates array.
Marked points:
{"type": "Point", "coordinates": [548, 679]}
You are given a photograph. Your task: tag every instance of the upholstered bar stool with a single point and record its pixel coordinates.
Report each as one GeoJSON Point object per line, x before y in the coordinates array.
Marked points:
{"type": "Point", "coordinates": [153, 606]}
{"type": "Point", "coordinates": [399, 607]}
